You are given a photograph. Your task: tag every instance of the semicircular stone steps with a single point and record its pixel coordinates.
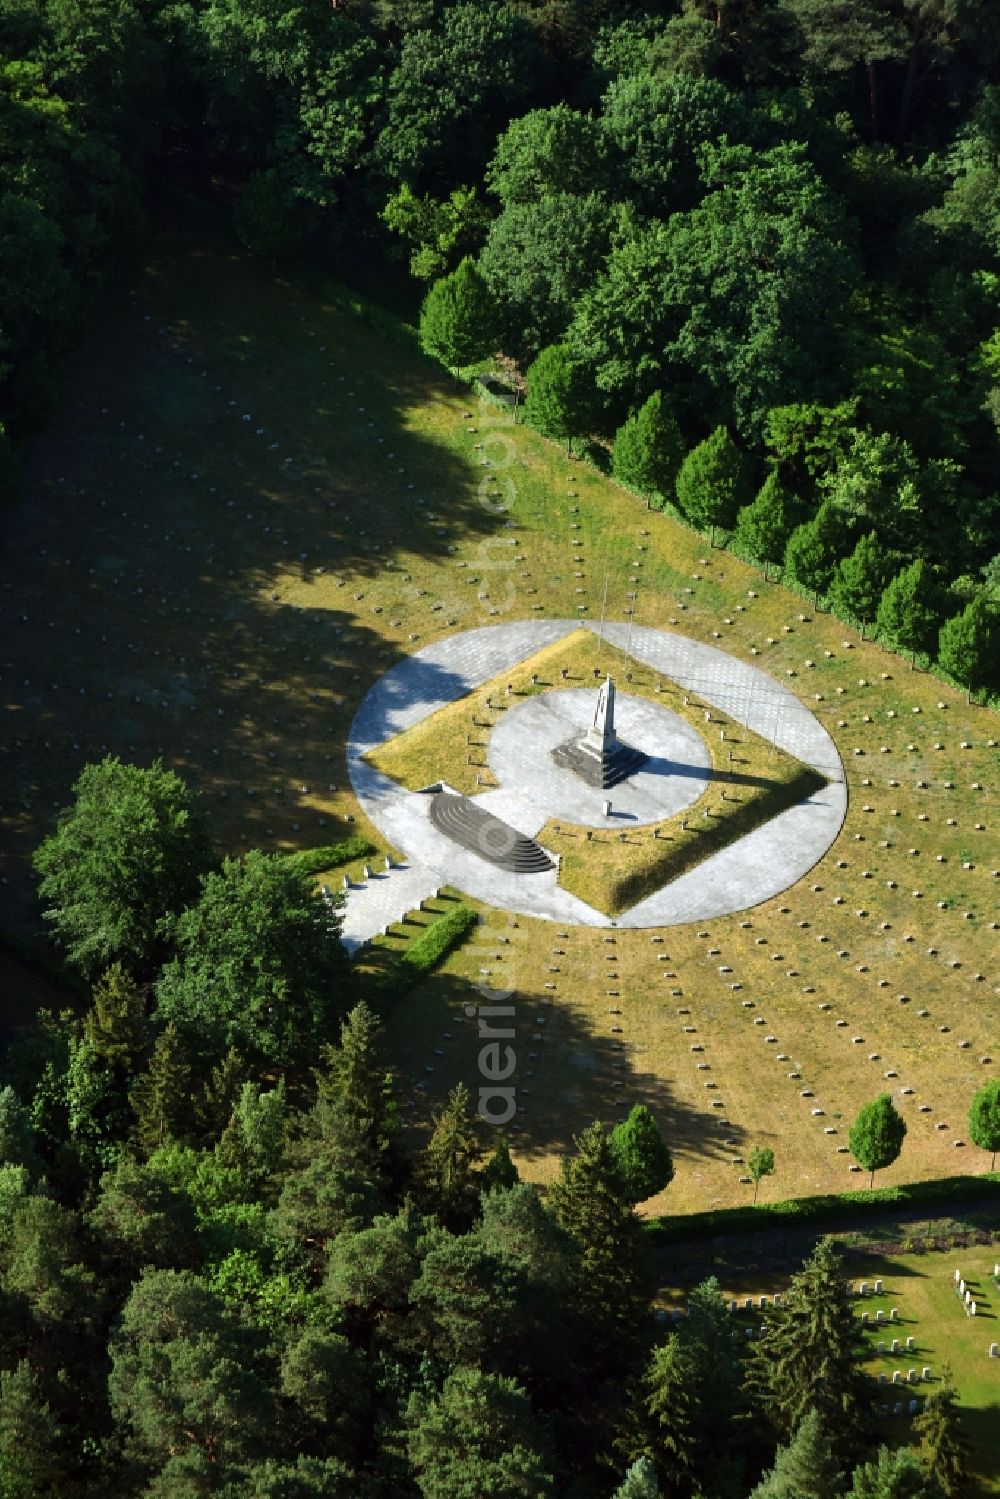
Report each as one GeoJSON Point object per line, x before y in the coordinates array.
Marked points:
{"type": "Point", "coordinates": [493, 840]}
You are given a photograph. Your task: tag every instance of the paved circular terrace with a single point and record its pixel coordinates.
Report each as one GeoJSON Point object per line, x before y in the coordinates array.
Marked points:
{"type": "Point", "coordinates": [520, 756]}
{"type": "Point", "coordinates": [750, 870]}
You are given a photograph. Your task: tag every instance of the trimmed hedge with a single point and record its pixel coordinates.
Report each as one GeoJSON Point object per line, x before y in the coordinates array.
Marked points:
{"type": "Point", "coordinates": [803, 1211]}
{"type": "Point", "coordinates": [426, 951]}
{"type": "Point", "coordinates": [329, 855]}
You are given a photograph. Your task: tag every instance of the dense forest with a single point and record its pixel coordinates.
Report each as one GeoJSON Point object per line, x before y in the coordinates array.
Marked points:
{"type": "Point", "coordinates": [777, 220]}
{"type": "Point", "coordinates": [752, 251]}
{"type": "Point", "coordinates": [223, 1272]}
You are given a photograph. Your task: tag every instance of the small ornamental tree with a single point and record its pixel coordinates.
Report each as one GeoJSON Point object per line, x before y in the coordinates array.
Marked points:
{"type": "Point", "coordinates": [763, 526]}
{"type": "Point", "coordinates": [877, 1135]}
{"type": "Point", "coordinates": [760, 1163]}
{"type": "Point", "coordinates": [813, 549]}
{"type": "Point", "coordinates": [907, 615]}
{"type": "Point", "coordinates": [265, 216]}
{"type": "Point", "coordinates": [712, 483]}
{"type": "Point", "coordinates": [859, 580]}
{"type": "Point", "coordinates": [560, 400]}
{"type": "Point", "coordinates": [458, 319]}
{"type": "Point", "coordinates": [647, 451]}
{"type": "Point", "coordinates": [967, 645]}
{"type": "Point", "coordinates": [984, 1120]}
{"type": "Point", "coordinates": [643, 1159]}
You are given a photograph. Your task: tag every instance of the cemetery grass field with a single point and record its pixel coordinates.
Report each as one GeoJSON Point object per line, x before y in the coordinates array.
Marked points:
{"type": "Point", "coordinates": [920, 1286]}
{"type": "Point", "coordinates": [221, 545]}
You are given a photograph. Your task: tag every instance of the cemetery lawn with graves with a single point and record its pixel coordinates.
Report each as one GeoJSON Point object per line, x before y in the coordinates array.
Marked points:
{"type": "Point", "coordinates": [752, 780]}
{"type": "Point", "coordinates": [270, 503]}
{"type": "Point", "coordinates": [930, 1311]}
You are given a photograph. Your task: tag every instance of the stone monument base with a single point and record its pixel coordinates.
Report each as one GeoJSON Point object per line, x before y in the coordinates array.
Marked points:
{"type": "Point", "coordinates": [602, 769]}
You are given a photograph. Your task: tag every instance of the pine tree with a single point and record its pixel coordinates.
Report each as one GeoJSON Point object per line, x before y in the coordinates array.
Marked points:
{"type": "Point", "coordinates": [859, 580]}
{"type": "Point", "coordinates": [712, 483]}
{"type": "Point", "coordinates": [967, 645]}
{"type": "Point", "coordinates": [943, 1447]}
{"type": "Point", "coordinates": [29, 1438]}
{"type": "Point", "coordinates": [907, 614]}
{"type": "Point", "coordinates": [805, 1469]}
{"type": "Point", "coordinates": [764, 526]}
{"type": "Point", "coordinates": [643, 1159]}
{"type": "Point", "coordinates": [116, 1026]}
{"type": "Point", "coordinates": [810, 1350]}
{"type": "Point", "coordinates": [500, 1171]}
{"type": "Point", "coordinates": [670, 1404]}
{"type": "Point", "coordinates": [984, 1120]}
{"type": "Point", "coordinates": [639, 1482]}
{"type": "Point", "coordinates": [813, 549]}
{"type": "Point", "coordinates": [161, 1097]}
{"type": "Point", "coordinates": [589, 1201]}
{"type": "Point", "coordinates": [647, 450]}
{"type": "Point", "coordinates": [458, 319]}
{"type": "Point", "coordinates": [877, 1135]}
{"type": "Point", "coordinates": [219, 1095]}
{"type": "Point", "coordinates": [446, 1173]}
{"type": "Point", "coordinates": [560, 399]}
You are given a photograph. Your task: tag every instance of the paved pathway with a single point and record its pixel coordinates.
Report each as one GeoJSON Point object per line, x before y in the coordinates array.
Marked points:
{"type": "Point", "coordinates": [752, 870]}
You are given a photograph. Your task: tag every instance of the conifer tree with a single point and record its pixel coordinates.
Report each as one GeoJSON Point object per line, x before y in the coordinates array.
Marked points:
{"type": "Point", "coordinates": [907, 614]}
{"type": "Point", "coordinates": [500, 1171]}
{"type": "Point", "coordinates": [967, 645]}
{"type": "Point", "coordinates": [712, 483]}
{"type": "Point", "coordinates": [944, 1450]}
{"type": "Point", "coordinates": [639, 1482]}
{"type": "Point", "coordinates": [984, 1120]}
{"type": "Point", "coordinates": [446, 1171]}
{"type": "Point", "coordinates": [219, 1095]}
{"type": "Point", "coordinates": [764, 526]}
{"type": "Point", "coordinates": [805, 1469]}
{"type": "Point", "coordinates": [647, 451]}
{"type": "Point", "coordinates": [590, 1203]}
{"type": "Point", "coordinates": [355, 1111]}
{"type": "Point", "coordinates": [809, 1351]}
{"type": "Point", "coordinates": [30, 1461]}
{"type": "Point", "coordinates": [17, 1141]}
{"type": "Point", "coordinates": [877, 1135]}
{"type": "Point", "coordinates": [813, 549]}
{"type": "Point", "coordinates": [859, 580]}
{"type": "Point", "coordinates": [458, 319]}
{"type": "Point", "coordinates": [671, 1406]}
{"type": "Point", "coordinates": [116, 1026]}
{"type": "Point", "coordinates": [161, 1096]}
{"type": "Point", "coordinates": [895, 1474]}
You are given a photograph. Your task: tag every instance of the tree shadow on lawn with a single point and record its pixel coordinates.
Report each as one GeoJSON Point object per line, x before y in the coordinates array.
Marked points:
{"type": "Point", "coordinates": [155, 563]}
{"type": "Point", "coordinates": [572, 1069]}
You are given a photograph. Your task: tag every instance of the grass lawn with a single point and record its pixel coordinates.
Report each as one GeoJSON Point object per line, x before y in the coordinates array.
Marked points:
{"type": "Point", "coordinates": [251, 505]}
{"type": "Point", "coordinates": [920, 1286]}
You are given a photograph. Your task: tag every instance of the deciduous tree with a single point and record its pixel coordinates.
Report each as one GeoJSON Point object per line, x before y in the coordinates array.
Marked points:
{"type": "Point", "coordinates": [984, 1120]}
{"type": "Point", "coordinates": [648, 450]}
{"type": "Point", "coordinates": [760, 1163]}
{"type": "Point", "coordinates": [967, 645]}
{"type": "Point", "coordinates": [859, 580]}
{"type": "Point", "coordinates": [458, 319]}
{"type": "Point", "coordinates": [712, 483]}
{"type": "Point", "coordinates": [907, 615]}
{"type": "Point", "coordinates": [560, 398]}
{"type": "Point", "coordinates": [877, 1135]}
{"type": "Point", "coordinates": [764, 526]}
{"type": "Point", "coordinates": [644, 1161]}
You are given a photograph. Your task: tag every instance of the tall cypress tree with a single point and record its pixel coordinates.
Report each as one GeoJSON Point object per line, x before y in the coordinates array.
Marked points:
{"type": "Point", "coordinates": [813, 549]}
{"type": "Point", "coordinates": [764, 526]}
{"type": "Point", "coordinates": [967, 646]}
{"type": "Point", "coordinates": [810, 1350]}
{"type": "Point", "coordinates": [907, 614]}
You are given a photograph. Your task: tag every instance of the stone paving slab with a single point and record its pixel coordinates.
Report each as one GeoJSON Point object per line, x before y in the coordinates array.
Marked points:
{"type": "Point", "coordinates": [754, 869]}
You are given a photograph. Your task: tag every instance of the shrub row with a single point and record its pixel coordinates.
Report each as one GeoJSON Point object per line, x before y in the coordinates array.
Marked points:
{"type": "Point", "coordinates": [804, 1211]}
{"type": "Point", "coordinates": [426, 951]}
{"type": "Point", "coordinates": [329, 855]}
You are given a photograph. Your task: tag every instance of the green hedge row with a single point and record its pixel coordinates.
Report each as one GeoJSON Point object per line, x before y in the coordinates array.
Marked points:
{"type": "Point", "coordinates": [435, 941]}
{"type": "Point", "coordinates": [329, 855]}
{"type": "Point", "coordinates": [803, 1211]}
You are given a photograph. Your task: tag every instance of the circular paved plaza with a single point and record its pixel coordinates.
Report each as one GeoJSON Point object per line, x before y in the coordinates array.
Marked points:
{"type": "Point", "coordinates": [751, 869]}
